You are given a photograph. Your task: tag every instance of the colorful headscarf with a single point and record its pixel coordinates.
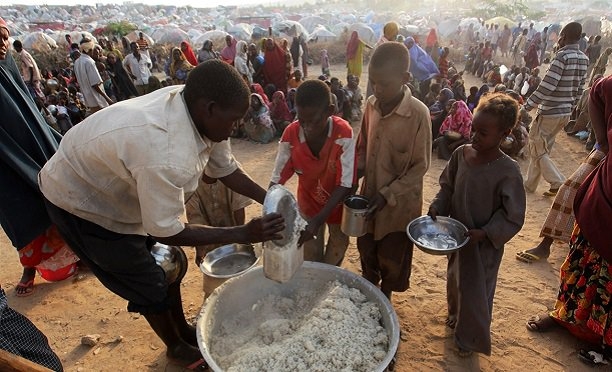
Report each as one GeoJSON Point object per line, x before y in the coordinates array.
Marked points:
{"type": "Point", "coordinates": [4, 25]}
{"type": "Point", "coordinates": [188, 52]}
{"type": "Point", "coordinates": [460, 121]}
{"type": "Point", "coordinates": [279, 109]}
{"type": "Point", "coordinates": [352, 46]}
{"type": "Point", "coordinates": [390, 30]}
{"type": "Point", "coordinates": [256, 88]}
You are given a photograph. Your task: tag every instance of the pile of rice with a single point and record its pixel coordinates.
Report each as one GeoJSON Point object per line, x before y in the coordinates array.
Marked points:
{"type": "Point", "coordinates": [334, 329]}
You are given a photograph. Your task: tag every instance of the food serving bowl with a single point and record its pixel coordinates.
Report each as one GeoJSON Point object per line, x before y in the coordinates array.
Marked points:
{"type": "Point", "coordinates": [440, 237]}
{"type": "Point", "coordinates": [229, 260]}
{"type": "Point", "coordinates": [244, 292]}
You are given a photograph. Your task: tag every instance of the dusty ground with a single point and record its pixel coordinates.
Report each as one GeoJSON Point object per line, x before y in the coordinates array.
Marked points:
{"type": "Point", "coordinates": [68, 310]}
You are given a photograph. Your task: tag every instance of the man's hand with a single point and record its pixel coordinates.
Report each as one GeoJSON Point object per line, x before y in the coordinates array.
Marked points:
{"type": "Point", "coordinates": [262, 229]}
{"type": "Point", "coordinates": [376, 204]}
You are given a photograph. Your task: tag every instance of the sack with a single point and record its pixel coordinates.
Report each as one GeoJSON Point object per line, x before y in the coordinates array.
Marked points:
{"type": "Point", "coordinates": [525, 88]}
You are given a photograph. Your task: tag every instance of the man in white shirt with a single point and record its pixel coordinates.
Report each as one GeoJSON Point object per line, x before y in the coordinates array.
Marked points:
{"type": "Point", "coordinates": [138, 66]}
{"type": "Point", "coordinates": [495, 35]}
{"type": "Point", "coordinates": [89, 79]}
{"type": "Point", "coordinates": [119, 181]}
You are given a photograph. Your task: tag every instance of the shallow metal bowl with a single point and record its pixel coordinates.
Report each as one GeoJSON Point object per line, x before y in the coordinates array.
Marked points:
{"type": "Point", "coordinates": [229, 260]}
{"type": "Point", "coordinates": [244, 291]}
{"type": "Point", "coordinates": [442, 236]}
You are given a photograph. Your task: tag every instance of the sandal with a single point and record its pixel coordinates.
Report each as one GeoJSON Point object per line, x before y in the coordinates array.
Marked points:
{"type": "Point", "coordinates": [592, 358]}
{"type": "Point", "coordinates": [198, 365]}
{"type": "Point", "coordinates": [450, 323]}
{"type": "Point", "coordinates": [540, 324]}
{"type": "Point", "coordinates": [24, 289]}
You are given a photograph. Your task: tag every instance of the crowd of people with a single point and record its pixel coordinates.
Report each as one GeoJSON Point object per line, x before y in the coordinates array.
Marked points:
{"type": "Point", "coordinates": [82, 163]}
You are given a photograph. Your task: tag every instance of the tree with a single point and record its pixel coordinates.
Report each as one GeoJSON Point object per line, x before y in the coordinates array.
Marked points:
{"type": "Point", "coordinates": [120, 28]}
{"type": "Point", "coordinates": [512, 9]}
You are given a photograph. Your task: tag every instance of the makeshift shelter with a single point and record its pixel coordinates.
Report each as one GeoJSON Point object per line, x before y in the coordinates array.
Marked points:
{"type": "Point", "coordinates": [310, 23]}
{"type": "Point", "coordinates": [289, 28]}
{"type": "Point", "coordinates": [170, 35]}
{"type": "Point", "coordinates": [320, 33]}
{"type": "Point", "coordinates": [241, 31]}
{"type": "Point", "coordinates": [134, 35]}
{"type": "Point", "coordinates": [501, 21]}
{"type": "Point", "coordinates": [364, 31]}
{"type": "Point", "coordinates": [38, 41]}
{"type": "Point", "coordinates": [216, 36]}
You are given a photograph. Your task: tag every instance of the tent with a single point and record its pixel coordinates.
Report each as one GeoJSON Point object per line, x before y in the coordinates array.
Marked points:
{"type": "Point", "coordinates": [38, 41]}
{"type": "Point", "coordinates": [290, 29]}
{"type": "Point", "coordinates": [241, 31]}
{"type": "Point", "coordinates": [364, 31]}
{"type": "Point", "coordinates": [447, 27]}
{"type": "Point", "coordinates": [320, 33]}
{"type": "Point", "coordinates": [216, 36]}
{"type": "Point", "coordinates": [310, 23]}
{"type": "Point", "coordinates": [170, 35]}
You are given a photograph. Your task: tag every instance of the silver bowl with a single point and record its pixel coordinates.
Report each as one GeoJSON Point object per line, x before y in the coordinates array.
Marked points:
{"type": "Point", "coordinates": [229, 260]}
{"type": "Point", "coordinates": [440, 237]}
{"type": "Point", "coordinates": [242, 292]}
{"type": "Point", "coordinates": [171, 259]}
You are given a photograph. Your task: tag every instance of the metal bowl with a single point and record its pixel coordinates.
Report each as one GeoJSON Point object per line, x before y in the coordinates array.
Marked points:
{"type": "Point", "coordinates": [244, 291]}
{"type": "Point", "coordinates": [229, 260]}
{"type": "Point", "coordinates": [440, 237]}
{"type": "Point", "coordinates": [170, 258]}
{"type": "Point", "coordinates": [280, 200]}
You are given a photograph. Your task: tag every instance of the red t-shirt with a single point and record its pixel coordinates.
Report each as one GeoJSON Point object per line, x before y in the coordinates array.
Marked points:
{"type": "Point", "coordinates": [317, 176]}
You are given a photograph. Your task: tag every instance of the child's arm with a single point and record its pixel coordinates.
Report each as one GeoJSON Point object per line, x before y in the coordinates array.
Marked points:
{"type": "Point", "coordinates": [508, 220]}
{"type": "Point", "coordinates": [283, 165]}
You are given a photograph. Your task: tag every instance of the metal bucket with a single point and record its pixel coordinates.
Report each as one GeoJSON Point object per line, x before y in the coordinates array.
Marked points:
{"type": "Point", "coordinates": [244, 291]}
{"type": "Point", "coordinates": [354, 212]}
{"type": "Point", "coordinates": [225, 262]}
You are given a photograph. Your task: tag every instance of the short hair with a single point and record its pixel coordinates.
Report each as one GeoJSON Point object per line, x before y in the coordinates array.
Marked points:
{"type": "Point", "coordinates": [17, 44]}
{"type": "Point", "coordinates": [501, 105]}
{"type": "Point", "coordinates": [391, 54]}
{"type": "Point", "coordinates": [313, 93]}
{"type": "Point", "coordinates": [216, 81]}
{"type": "Point", "coordinates": [573, 31]}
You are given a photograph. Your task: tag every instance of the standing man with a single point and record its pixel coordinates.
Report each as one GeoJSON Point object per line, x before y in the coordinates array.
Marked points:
{"type": "Point", "coordinates": [554, 98]}
{"type": "Point", "coordinates": [544, 44]}
{"type": "Point", "coordinates": [118, 183]}
{"type": "Point", "coordinates": [29, 70]}
{"type": "Point", "coordinates": [143, 44]}
{"type": "Point", "coordinates": [138, 66]}
{"type": "Point", "coordinates": [89, 78]}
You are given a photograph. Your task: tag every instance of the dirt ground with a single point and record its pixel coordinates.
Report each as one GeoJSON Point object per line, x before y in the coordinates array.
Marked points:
{"type": "Point", "coordinates": [66, 311]}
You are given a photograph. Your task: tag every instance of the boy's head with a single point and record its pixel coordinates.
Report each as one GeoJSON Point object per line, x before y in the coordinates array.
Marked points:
{"type": "Point", "coordinates": [352, 81]}
{"type": "Point", "coordinates": [473, 90]}
{"type": "Point", "coordinates": [388, 70]}
{"type": "Point", "coordinates": [297, 74]}
{"type": "Point", "coordinates": [314, 106]}
{"type": "Point", "coordinates": [216, 96]}
{"type": "Point", "coordinates": [570, 34]}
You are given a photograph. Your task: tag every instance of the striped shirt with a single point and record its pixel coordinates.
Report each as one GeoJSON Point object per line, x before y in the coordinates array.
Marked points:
{"type": "Point", "coordinates": [562, 85]}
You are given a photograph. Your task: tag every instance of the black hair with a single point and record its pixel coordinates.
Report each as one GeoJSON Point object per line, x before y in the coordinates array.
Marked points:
{"type": "Point", "coordinates": [501, 105]}
{"type": "Point", "coordinates": [391, 54]}
{"type": "Point", "coordinates": [216, 81]}
{"type": "Point", "coordinates": [17, 44]}
{"type": "Point", "coordinates": [572, 32]}
{"type": "Point", "coordinates": [313, 93]}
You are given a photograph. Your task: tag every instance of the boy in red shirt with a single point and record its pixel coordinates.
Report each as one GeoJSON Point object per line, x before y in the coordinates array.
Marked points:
{"type": "Point", "coordinates": [319, 148]}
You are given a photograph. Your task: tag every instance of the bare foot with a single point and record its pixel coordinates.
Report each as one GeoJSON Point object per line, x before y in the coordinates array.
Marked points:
{"type": "Point", "coordinates": [25, 287]}
{"type": "Point", "coordinates": [541, 251]}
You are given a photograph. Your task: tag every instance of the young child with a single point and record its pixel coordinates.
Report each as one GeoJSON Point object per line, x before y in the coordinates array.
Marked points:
{"type": "Point", "coordinates": [296, 80]}
{"type": "Point", "coordinates": [324, 63]}
{"type": "Point", "coordinates": [279, 111]}
{"type": "Point", "coordinates": [319, 148]}
{"type": "Point", "coordinates": [394, 153]}
{"type": "Point", "coordinates": [257, 124]}
{"type": "Point", "coordinates": [472, 99]}
{"type": "Point", "coordinates": [493, 211]}
{"type": "Point", "coordinates": [214, 204]}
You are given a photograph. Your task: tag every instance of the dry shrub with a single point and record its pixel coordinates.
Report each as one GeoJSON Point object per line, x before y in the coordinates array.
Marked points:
{"type": "Point", "coordinates": [53, 59]}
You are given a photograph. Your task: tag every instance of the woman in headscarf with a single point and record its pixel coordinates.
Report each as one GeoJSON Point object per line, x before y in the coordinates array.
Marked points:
{"type": "Point", "coordinates": [288, 59]}
{"type": "Point", "coordinates": [532, 57]}
{"type": "Point", "coordinates": [206, 52]}
{"type": "Point", "coordinates": [179, 67]}
{"type": "Point", "coordinates": [390, 32]}
{"type": "Point", "coordinates": [257, 88]}
{"type": "Point", "coordinates": [279, 112]}
{"type": "Point", "coordinates": [241, 62]}
{"type": "Point", "coordinates": [26, 143]}
{"type": "Point", "coordinates": [422, 67]}
{"type": "Point", "coordinates": [228, 53]}
{"type": "Point", "coordinates": [258, 125]}
{"type": "Point", "coordinates": [354, 55]}
{"type": "Point", "coordinates": [274, 68]}
{"type": "Point", "coordinates": [439, 111]}
{"type": "Point", "coordinates": [600, 65]}
{"type": "Point", "coordinates": [189, 54]}
{"type": "Point", "coordinates": [456, 130]}
{"type": "Point", "coordinates": [122, 83]}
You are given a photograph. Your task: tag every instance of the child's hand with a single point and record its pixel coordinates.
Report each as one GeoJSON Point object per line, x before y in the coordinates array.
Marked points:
{"type": "Point", "coordinates": [376, 204]}
{"type": "Point", "coordinates": [476, 235]}
{"type": "Point", "coordinates": [433, 213]}
{"type": "Point", "coordinates": [310, 232]}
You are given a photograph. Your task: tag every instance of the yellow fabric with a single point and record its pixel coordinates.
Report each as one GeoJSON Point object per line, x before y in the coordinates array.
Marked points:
{"type": "Point", "coordinates": [355, 64]}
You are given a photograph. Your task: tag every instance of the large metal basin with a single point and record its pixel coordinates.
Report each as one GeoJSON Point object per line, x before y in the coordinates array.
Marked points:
{"type": "Point", "coordinates": [244, 291]}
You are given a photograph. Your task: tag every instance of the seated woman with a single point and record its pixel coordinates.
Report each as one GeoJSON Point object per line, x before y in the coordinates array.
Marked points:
{"type": "Point", "coordinates": [279, 112]}
{"type": "Point", "coordinates": [257, 124]}
{"type": "Point", "coordinates": [439, 111]}
{"type": "Point", "coordinates": [179, 67]}
{"type": "Point", "coordinates": [455, 130]}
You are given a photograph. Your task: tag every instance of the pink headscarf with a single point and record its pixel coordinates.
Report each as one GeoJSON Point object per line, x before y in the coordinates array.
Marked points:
{"type": "Point", "coordinates": [460, 121]}
{"type": "Point", "coordinates": [353, 44]}
{"type": "Point", "coordinates": [4, 25]}
{"type": "Point", "coordinates": [229, 52]}
{"type": "Point", "coordinates": [256, 88]}
{"type": "Point", "coordinates": [279, 109]}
